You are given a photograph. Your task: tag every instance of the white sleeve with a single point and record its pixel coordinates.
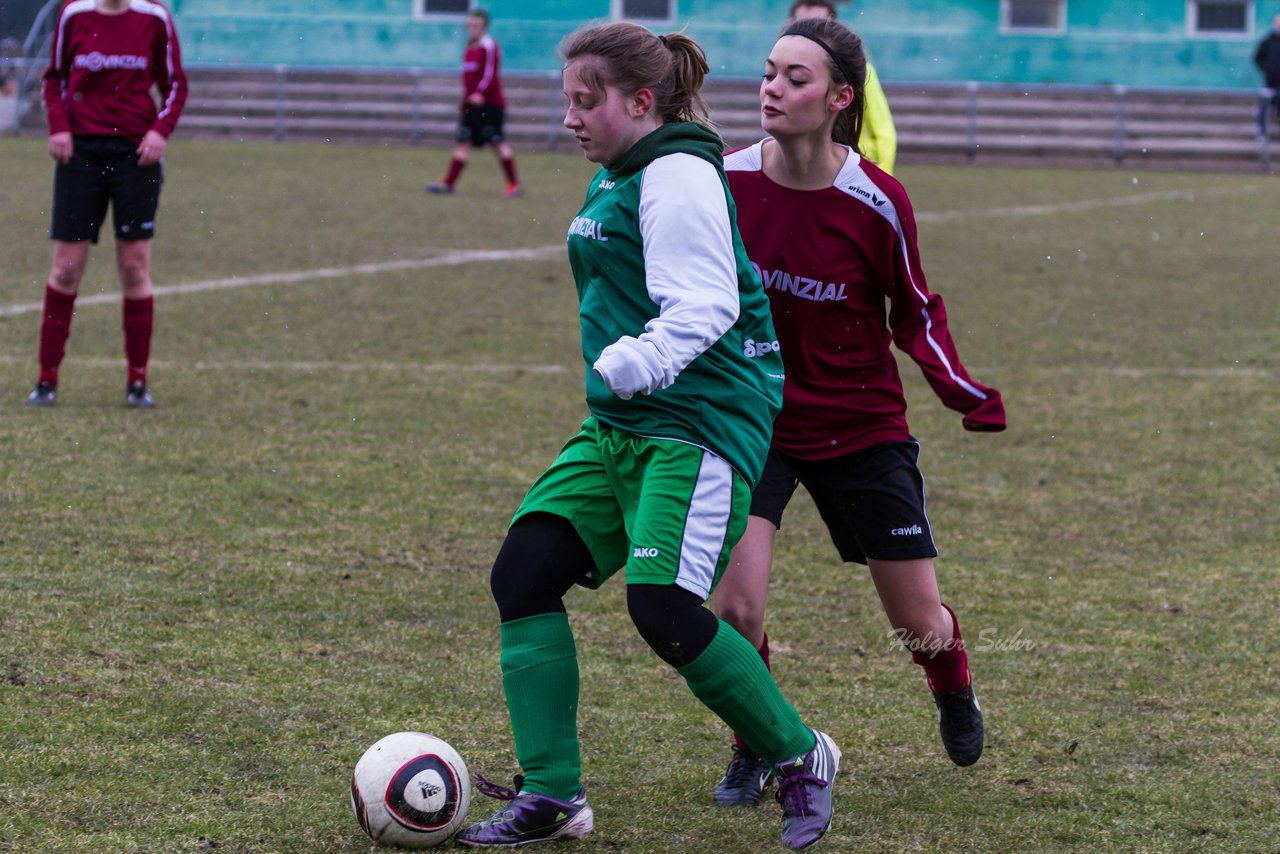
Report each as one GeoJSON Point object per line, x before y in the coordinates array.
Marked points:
{"type": "Point", "coordinates": [690, 272]}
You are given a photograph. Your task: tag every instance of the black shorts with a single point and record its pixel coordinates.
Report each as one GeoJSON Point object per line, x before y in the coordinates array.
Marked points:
{"type": "Point", "coordinates": [481, 125]}
{"type": "Point", "coordinates": [104, 170]}
{"type": "Point", "coordinates": [872, 500]}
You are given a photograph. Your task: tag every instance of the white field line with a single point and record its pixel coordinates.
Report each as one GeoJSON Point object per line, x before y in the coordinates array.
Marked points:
{"type": "Point", "coordinates": [454, 368]}
{"type": "Point", "coordinates": [1187, 373]}
{"type": "Point", "coordinates": [1188, 196]}
{"type": "Point", "coordinates": [541, 252]}
{"type": "Point", "coordinates": [448, 259]}
{"type": "Point", "coordinates": [313, 367]}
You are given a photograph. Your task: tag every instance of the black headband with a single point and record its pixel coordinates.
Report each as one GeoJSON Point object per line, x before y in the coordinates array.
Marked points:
{"type": "Point", "coordinates": [848, 78]}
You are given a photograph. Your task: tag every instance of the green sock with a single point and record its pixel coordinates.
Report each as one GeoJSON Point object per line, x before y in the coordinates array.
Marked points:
{"type": "Point", "coordinates": [730, 679]}
{"type": "Point", "coordinates": [540, 678]}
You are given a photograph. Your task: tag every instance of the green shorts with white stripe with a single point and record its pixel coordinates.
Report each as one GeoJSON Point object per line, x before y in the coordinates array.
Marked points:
{"type": "Point", "coordinates": [668, 511]}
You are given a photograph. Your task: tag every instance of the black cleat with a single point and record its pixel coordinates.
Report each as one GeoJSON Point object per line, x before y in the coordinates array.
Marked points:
{"type": "Point", "coordinates": [44, 394]}
{"type": "Point", "coordinates": [137, 396]}
{"type": "Point", "coordinates": [960, 724]}
{"type": "Point", "coordinates": [744, 781]}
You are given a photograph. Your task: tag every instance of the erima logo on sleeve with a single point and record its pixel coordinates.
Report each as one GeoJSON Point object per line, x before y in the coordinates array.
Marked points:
{"type": "Point", "coordinates": [587, 227]}
{"type": "Point", "coordinates": [871, 197]}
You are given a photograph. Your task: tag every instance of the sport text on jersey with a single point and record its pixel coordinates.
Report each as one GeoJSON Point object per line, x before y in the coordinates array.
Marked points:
{"type": "Point", "coordinates": [587, 227]}
{"type": "Point", "coordinates": [800, 286]}
{"type": "Point", "coordinates": [103, 62]}
{"type": "Point", "coordinates": [752, 348]}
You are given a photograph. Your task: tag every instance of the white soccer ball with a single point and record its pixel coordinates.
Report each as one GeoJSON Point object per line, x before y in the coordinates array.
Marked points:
{"type": "Point", "coordinates": [410, 790]}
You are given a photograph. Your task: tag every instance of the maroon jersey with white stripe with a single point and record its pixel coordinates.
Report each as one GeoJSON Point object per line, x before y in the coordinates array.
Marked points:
{"type": "Point", "coordinates": [831, 260]}
{"type": "Point", "coordinates": [480, 63]}
{"type": "Point", "coordinates": [103, 67]}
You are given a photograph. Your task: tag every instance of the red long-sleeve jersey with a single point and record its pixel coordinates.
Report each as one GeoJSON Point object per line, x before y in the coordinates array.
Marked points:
{"type": "Point", "coordinates": [480, 65]}
{"type": "Point", "coordinates": [829, 260]}
{"type": "Point", "coordinates": [103, 67]}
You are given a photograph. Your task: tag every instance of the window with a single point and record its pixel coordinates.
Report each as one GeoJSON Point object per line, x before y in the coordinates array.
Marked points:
{"type": "Point", "coordinates": [1033, 16]}
{"type": "Point", "coordinates": [645, 10]}
{"type": "Point", "coordinates": [443, 7]}
{"type": "Point", "coordinates": [1219, 17]}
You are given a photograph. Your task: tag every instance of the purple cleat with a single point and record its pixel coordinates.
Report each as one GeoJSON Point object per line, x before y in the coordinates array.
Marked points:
{"type": "Point", "coordinates": [528, 818]}
{"type": "Point", "coordinates": [804, 790]}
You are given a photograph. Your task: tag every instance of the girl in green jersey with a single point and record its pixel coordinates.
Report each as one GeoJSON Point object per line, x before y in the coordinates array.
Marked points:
{"type": "Point", "coordinates": [683, 381]}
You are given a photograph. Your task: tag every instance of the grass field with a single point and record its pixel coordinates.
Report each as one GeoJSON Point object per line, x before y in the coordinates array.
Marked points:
{"type": "Point", "coordinates": [209, 610]}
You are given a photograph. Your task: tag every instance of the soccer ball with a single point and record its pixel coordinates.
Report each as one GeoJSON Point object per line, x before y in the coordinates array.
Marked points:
{"type": "Point", "coordinates": [410, 790]}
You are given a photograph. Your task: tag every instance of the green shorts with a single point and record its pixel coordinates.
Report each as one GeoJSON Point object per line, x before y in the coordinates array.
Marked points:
{"type": "Point", "coordinates": [667, 511]}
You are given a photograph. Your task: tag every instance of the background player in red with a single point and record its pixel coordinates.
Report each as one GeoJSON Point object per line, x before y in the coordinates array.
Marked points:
{"type": "Point", "coordinates": [107, 135]}
{"type": "Point", "coordinates": [483, 107]}
{"type": "Point", "coordinates": [834, 238]}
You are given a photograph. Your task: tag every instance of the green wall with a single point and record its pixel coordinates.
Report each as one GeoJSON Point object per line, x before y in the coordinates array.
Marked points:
{"type": "Point", "coordinates": [1136, 44]}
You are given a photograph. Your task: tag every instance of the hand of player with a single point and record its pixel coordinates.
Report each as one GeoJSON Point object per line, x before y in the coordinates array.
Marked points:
{"type": "Point", "coordinates": [630, 366]}
{"type": "Point", "coordinates": [60, 146]}
{"type": "Point", "coordinates": [476, 99]}
{"type": "Point", "coordinates": [151, 149]}
{"type": "Point", "coordinates": [988, 417]}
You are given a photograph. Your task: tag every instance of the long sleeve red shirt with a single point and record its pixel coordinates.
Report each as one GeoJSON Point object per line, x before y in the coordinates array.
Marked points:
{"type": "Point", "coordinates": [830, 259]}
{"type": "Point", "coordinates": [103, 67]}
{"type": "Point", "coordinates": [480, 72]}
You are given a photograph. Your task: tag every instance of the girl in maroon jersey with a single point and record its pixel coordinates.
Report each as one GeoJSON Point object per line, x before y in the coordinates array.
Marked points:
{"type": "Point", "coordinates": [107, 135]}
{"type": "Point", "coordinates": [834, 239]}
{"type": "Point", "coordinates": [484, 108]}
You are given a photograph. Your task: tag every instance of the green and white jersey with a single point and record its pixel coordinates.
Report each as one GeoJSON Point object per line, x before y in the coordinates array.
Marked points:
{"type": "Point", "coordinates": [676, 330]}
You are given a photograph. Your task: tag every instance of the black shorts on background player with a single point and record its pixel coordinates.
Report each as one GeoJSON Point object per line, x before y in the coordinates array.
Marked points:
{"type": "Point", "coordinates": [481, 125]}
{"type": "Point", "coordinates": [104, 171]}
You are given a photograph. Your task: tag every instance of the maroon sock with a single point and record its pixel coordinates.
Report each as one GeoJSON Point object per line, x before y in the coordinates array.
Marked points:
{"type": "Point", "coordinates": [947, 669]}
{"type": "Point", "coordinates": [509, 167]}
{"type": "Point", "coordinates": [138, 315]}
{"type": "Point", "coordinates": [55, 328]}
{"type": "Point", "coordinates": [764, 653]}
{"type": "Point", "coordinates": [455, 169]}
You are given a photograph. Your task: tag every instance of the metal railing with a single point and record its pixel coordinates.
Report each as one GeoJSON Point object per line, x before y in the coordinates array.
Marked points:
{"type": "Point", "coordinates": [1267, 99]}
{"type": "Point", "coordinates": [1120, 97]}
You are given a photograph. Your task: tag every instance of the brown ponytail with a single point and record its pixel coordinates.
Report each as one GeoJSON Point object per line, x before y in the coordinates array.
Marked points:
{"type": "Point", "coordinates": [628, 56]}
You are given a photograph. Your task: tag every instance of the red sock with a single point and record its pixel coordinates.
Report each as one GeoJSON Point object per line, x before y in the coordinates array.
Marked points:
{"type": "Point", "coordinates": [948, 669]}
{"type": "Point", "coordinates": [455, 169]}
{"type": "Point", "coordinates": [764, 653]}
{"type": "Point", "coordinates": [509, 167]}
{"type": "Point", "coordinates": [138, 314]}
{"type": "Point", "coordinates": [55, 328]}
